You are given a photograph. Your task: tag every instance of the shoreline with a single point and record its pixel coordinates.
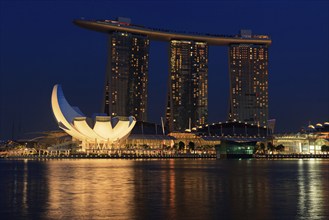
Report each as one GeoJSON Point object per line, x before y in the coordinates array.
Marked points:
{"type": "Point", "coordinates": [177, 156]}
{"type": "Point", "coordinates": [115, 156]}
{"type": "Point", "coordinates": [292, 156]}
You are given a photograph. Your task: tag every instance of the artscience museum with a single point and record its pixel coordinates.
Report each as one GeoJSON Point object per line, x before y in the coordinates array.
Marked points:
{"type": "Point", "coordinates": [104, 133]}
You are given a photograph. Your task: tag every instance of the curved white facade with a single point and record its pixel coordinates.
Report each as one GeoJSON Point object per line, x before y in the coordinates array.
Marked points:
{"type": "Point", "coordinates": [107, 132]}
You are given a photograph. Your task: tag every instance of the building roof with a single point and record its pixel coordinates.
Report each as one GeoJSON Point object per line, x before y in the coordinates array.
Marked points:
{"type": "Point", "coordinates": [167, 35]}
{"type": "Point", "coordinates": [243, 140]}
{"type": "Point", "coordinates": [150, 137]}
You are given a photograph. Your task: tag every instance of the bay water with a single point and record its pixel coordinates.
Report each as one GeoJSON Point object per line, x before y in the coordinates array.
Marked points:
{"type": "Point", "coordinates": [164, 189]}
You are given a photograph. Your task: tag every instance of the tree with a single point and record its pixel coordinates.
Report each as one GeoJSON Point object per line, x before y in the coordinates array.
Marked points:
{"type": "Point", "coordinates": [145, 146]}
{"type": "Point", "coordinates": [280, 148]}
{"type": "Point", "coordinates": [257, 149]}
{"type": "Point", "coordinates": [191, 146]}
{"type": "Point", "coordinates": [270, 146]}
{"type": "Point", "coordinates": [260, 148]}
{"type": "Point", "coordinates": [181, 145]}
{"type": "Point", "coordinates": [325, 148]}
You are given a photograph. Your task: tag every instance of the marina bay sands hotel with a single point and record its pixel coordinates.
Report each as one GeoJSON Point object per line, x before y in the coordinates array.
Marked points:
{"type": "Point", "coordinates": [126, 82]}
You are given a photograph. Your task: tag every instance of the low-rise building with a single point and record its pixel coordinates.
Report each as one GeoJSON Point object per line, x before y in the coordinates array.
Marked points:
{"type": "Point", "coordinates": [306, 142]}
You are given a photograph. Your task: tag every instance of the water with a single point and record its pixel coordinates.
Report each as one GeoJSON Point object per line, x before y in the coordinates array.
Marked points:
{"type": "Point", "coordinates": [164, 189]}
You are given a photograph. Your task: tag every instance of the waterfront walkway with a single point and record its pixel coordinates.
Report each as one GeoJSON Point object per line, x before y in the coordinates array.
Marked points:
{"type": "Point", "coordinates": [159, 156]}
{"type": "Point", "coordinates": [114, 156]}
{"type": "Point", "coordinates": [290, 156]}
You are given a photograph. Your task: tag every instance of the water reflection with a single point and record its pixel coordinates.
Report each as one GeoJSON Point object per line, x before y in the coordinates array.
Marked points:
{"type": "Point", "coordinates": [22, 188]}
{"type": "Point", "coordinates": [313, 188]}
{"type": "Point", "coordinates": [164, 189]}
{"type": "Point", "coordinates": [174, 189]}
{"type": "Point", "coordinates": [86, 189]}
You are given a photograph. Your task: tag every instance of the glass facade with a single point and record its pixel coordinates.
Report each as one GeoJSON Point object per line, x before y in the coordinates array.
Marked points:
{"type": "Point", "coordinates": [232, 149]}
{"type": "Point", "coordinates": [187, 100]}
{"type": "Point", "coordinates": [248, 69]}
{"type": "Point", "coordinates": [127, 76]}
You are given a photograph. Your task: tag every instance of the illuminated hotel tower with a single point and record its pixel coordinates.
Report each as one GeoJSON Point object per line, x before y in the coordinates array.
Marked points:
{"type": "Point", "coordinates": [187, 99]}
{"type": "Point", "coordinates": [248, 67]}
{"type": "Point", "coordinates": [126, 78]}
{"type": "Point", "coordinates": [127, 75]}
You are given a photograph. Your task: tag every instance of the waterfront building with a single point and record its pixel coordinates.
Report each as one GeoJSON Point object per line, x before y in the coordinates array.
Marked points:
{"type": "Point", "coordinates": [248, 68]}
{"type": "Point", "coordinates": [237, 147]}
{"type": "Point", "coordinates": [148, 128]}
{"type": "Point", "coordinates": [308, 141]}
{"type": "Point", "coordinates": [298, 143]}
{"type": "Point", "coordinates": [107, 132]}
{"type": "Point", "coordinates": [187, 104]}
{"type": "Point", "coordinates": [232, 129]}
{"type": "Point", "coordinates": [125, 90]}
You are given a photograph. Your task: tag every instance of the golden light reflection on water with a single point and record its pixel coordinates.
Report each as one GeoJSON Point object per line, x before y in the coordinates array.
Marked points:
{"type": "Point", "coordinates": [313, 189]}
{"type": "Point", "coordinates": [123, 189]}
{"type": "Point", "coordinates": [164, 189]}
{"type": "Point", "coordinates": [90, 189]}
{"type": "Point", "coordinates": [171, 196]}
{"type": "Point", "coordinates": [25, 186]}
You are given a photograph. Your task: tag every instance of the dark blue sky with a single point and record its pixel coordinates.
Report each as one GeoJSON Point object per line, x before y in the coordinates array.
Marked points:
{"type": "Point", "coordinates": [39, 47]}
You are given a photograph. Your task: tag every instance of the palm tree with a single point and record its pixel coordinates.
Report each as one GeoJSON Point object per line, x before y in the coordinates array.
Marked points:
{"type": "Point", "coordinates": [280, 148]}
{"type": "Point", "coordinates": [260, 148]}
{"type": "Point", "coordinates": [191, 146]}
{"type": "Point", "coordinates": [270, 146]}
{"type": "Point", "coordinates": [325, 148]}
{"type": "Point", "coordinates": [181, 145]}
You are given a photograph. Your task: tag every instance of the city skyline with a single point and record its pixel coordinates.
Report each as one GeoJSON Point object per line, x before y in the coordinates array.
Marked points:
{"type": "Point", "coordinates": [63, 56]}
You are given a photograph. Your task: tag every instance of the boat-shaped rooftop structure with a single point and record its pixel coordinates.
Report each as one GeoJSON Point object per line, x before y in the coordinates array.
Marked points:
{"type": "Point", "coordinates": [107, 26]}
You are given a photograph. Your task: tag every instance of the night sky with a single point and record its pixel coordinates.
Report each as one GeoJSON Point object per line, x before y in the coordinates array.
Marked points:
{"type": "Point", "coordinates": [40, 47]}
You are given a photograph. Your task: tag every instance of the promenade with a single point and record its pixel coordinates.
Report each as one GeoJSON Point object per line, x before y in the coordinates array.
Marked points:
{"type": "Point", "coordinates": [291, 156]}
{"type": "Point", "coordinates": [113, 156]}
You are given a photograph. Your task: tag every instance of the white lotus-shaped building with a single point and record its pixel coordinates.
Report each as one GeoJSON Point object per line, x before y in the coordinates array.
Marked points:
{"type": "Point", "coordinates": [106, 133]}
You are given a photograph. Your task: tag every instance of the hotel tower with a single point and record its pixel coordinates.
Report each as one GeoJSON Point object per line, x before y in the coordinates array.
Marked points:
{"type": "Point", "coordinates": [187, 95]}
{"type": "Point", "coordinates": [187, 104]}
{"type": "Point", "coordinates": [248, 68]}
{"type": "Point", "coordinates": [126, 74]}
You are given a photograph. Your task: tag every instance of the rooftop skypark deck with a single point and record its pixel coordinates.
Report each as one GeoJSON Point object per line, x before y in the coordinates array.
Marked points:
{"type": "Point", "coordinates": [167, 35]}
